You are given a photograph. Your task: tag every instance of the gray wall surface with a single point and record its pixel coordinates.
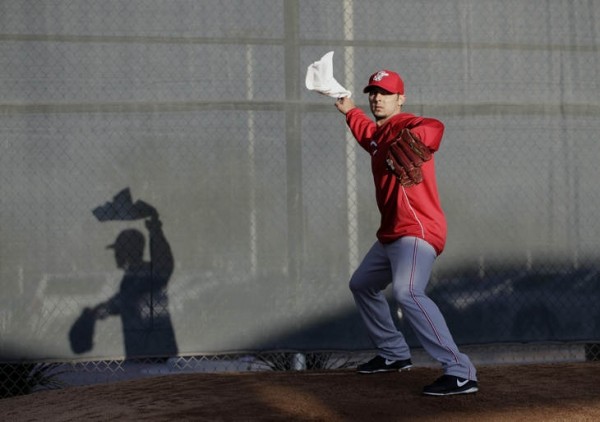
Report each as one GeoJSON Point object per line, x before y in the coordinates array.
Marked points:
{"type": "Point", "coordinates": [199, 109]}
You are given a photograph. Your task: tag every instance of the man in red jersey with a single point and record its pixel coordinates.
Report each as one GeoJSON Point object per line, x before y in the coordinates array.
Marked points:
{"type": "Point", "coordinates": [412, 233]}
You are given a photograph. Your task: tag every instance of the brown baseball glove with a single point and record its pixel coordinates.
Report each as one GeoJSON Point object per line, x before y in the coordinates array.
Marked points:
{"type": "Point", "coordinates": [405, 158]}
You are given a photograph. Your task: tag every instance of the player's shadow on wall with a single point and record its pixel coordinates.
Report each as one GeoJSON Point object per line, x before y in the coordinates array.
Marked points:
{"type": "Point", "coordinates": [141, 301]}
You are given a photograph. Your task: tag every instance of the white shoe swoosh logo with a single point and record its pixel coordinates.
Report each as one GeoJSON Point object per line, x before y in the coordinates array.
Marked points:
{"type": "Point", "coordinates": [389, 362]}
{"type": "Point", "coordinates": [461, 383]}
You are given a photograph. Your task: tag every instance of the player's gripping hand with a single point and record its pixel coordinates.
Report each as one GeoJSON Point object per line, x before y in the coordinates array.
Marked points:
{"type": "Point", "coordinates": [405, 158]}
{"type": "Point", "coordinates": [344, 104]}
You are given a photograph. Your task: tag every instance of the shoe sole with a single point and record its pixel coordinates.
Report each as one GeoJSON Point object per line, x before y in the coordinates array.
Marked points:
{"type": "Point", "coordinates": [376, 371]}
{"type": "Point", "coordinates": [453, 393]}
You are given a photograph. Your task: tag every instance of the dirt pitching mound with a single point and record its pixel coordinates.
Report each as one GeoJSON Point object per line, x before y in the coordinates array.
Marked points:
{"type": "Point", "coordinates": [549, 392]}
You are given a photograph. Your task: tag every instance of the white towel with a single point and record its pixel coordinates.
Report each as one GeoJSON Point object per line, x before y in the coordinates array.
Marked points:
{"type": "Point", "coordinates": [319, 77]}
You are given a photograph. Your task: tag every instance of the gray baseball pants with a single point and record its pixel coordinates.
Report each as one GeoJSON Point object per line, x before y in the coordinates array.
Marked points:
{"type": "Point", "coordinates": [406, 264]}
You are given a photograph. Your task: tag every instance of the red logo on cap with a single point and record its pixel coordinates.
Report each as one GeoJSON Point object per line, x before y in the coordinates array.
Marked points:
{"type": "Point", "coordinates": [380, 75]}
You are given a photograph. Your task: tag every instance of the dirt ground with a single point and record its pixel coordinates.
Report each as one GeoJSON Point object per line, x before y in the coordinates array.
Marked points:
{"type": "Point", "coordinates": [549, 392]}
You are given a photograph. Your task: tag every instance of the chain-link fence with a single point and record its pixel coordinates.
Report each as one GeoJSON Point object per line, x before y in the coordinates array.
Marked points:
{"type": "Point", "coordinates": [234, 203]}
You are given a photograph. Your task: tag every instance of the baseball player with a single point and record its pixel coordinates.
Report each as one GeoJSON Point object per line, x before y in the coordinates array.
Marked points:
{"type": "Point", "coordinates": [411, 235]}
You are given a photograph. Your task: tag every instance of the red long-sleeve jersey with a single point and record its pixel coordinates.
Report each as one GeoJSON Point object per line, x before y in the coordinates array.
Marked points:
{"type": "Point", "coordinates": [405, 211]}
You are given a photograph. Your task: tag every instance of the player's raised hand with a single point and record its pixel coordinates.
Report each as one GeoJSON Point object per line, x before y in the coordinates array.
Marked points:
{"type": "Point", "coordinates": [344, 104]}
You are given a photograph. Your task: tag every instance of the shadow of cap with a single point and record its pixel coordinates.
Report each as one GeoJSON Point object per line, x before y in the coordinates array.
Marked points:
{"type": "Point", "coordinates": [128, 239]}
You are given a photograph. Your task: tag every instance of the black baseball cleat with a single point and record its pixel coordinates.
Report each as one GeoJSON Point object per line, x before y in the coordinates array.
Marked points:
{"type": "Point", "coordinates": [447, 385]}
{"type": "Point", "coordinates": [380, 364]}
